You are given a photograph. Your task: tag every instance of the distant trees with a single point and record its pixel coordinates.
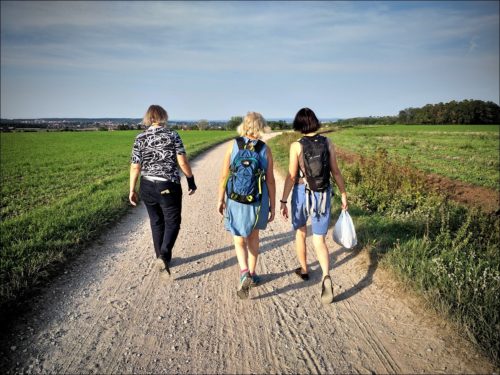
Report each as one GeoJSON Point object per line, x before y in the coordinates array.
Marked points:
{"type": "Point", "coordinates": [234, 122]}
{"type": "Point", "coordinates": [380, 120]}
{"type": "Point", "coordinates": [279, 125]}
{"type": "Point", "coordinates": [463, 112]}
{"type": "Point", "coordinates": [202, 124]}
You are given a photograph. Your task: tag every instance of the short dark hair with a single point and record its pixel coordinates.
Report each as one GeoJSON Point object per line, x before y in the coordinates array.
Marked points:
{"type": "Point", "coordinates": [306, 121]}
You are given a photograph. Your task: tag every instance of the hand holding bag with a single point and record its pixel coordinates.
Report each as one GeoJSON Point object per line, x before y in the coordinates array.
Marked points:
{"type": "Point", "coordinates": [344, 233]}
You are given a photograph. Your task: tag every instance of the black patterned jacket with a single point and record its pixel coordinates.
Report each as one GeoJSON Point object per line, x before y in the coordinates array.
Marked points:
{"type": "Point", "coordinates": [156, 150]}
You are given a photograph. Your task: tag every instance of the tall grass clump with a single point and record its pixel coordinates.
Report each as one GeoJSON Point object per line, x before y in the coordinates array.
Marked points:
{"type": "Point", "coordinates": [446, 252]}
{"type": "Point", "coordinates": [458, 268]}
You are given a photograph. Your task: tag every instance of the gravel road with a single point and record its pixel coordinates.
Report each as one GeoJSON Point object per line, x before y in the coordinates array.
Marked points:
{"type": "Point", "coordinates": [111, 312]}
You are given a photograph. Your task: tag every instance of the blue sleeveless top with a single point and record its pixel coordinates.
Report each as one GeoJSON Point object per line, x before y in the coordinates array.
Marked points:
{"type": "Point", "coordinates": [240, 219]}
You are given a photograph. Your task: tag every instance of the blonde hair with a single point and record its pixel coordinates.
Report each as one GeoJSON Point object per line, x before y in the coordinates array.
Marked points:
{"type": "Point", "coordinates": [155, 114]}
{"type": "Point", "coordinates": [253, 125]}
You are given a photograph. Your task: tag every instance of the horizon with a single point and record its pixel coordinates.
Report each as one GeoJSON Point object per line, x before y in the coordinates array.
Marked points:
{"type": "Point", "coordinates": [140, 118]}
{"type": "Point", "coordinates": [212, 60]}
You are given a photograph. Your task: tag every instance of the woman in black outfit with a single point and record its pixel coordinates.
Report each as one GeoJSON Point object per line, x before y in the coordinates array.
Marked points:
{"type": "Point", "coordinates": [156, 155]}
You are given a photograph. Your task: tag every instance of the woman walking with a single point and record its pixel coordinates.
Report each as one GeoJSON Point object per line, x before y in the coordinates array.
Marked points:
{"type": "Point", "coordinates": [246, 195]}
{"type": "Point", "coordinates": [156, 155]}
{"type": "Point", "coordinates": [312, 161]}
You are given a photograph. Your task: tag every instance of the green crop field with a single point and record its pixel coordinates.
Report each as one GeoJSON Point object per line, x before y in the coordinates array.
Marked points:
{"type": "Point", "coordinates": [58, 191]}
{"type": "Point", "coordinates": [463, 152]}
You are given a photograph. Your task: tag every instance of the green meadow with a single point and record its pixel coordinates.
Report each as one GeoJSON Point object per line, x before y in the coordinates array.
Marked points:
{"type": "Point", "coordinates": [467, 153]}
{"type": "Point", "coordinates": [447, 253]}
{"type": "Point", "coordinates": [59, 191]}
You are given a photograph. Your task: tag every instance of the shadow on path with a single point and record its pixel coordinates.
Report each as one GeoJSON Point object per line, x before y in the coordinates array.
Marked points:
{"type": "Point", "coordinates": [315, 277]}
{"type": "Point", "coordinates": [272, 242]}
{"type": "Point", "coordinates": [364, 282]}
{"type": "Point", "coordinates": [267, 244]}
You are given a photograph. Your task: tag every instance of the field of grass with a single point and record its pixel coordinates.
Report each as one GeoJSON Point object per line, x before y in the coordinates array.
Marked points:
{"type": "Point", "coordinates": [447, 253]}
{"type": "Point", "coordinates": [467, 153]}
{"type": "Point", "coordinates": [59, 190]}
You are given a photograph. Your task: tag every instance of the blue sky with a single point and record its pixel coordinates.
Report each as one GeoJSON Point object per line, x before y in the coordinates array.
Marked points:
{"type": "Point", "coordinates": [215, 60]}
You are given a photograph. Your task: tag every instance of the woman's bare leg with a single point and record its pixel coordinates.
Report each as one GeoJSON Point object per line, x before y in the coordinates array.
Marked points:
{"type": "Point", "coordinates": [322, 253]}
{"type": "Point", "coordinates": [300, 247]}
{"type": "Point", "coordinates": [241, 252]}
{"type": "Point", "coordinates": [253, 250]}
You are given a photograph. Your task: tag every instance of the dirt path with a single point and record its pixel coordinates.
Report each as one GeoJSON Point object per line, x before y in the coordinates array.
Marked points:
{"type": "Point", "coordinates": [112, 313]}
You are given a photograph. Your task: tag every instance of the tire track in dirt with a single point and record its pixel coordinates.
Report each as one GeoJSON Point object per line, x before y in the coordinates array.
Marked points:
{"type": "Point", "coordinates": [386, 360]}
{"type": "Point", "coordinates": [194, 323]}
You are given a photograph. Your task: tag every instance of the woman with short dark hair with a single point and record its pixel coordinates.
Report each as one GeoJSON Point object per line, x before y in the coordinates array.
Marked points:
{"type": "Point", "coordinates": [156, 155]}
{"type": "Point", "coordinates": [306, 122]}
{"type": "Point", "coordinates": [312, 162]}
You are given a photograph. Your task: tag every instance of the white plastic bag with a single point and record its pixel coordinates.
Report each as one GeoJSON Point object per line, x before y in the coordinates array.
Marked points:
{"type": "Point", "coordinates": [344, 233]}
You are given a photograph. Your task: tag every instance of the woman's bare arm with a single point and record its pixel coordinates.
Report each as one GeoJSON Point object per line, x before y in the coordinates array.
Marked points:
{"type": "Point", "coordinates": [221, 203]}
{"type": "Point", "coordinates": [271, 184]}
{"type": "Point", "coordinates": [135, 171]}
{"type": "Point", "coordinates": [293, 169]}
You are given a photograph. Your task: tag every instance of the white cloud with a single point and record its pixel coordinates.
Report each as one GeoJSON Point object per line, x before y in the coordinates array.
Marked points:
{"type": "Point", "coordinates": [359, 44]}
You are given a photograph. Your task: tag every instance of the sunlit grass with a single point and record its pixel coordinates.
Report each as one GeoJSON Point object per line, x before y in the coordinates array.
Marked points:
{"type": "Point", "coordinates": [467, 153]}
{"type": "Point", "coordinates": [59, 191]}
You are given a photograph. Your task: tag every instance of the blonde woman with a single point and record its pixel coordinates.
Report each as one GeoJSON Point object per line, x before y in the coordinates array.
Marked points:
{"type": "Point", "coordinates": [247, 213]}
{"type": "Point", "coordinates": [156, 155]}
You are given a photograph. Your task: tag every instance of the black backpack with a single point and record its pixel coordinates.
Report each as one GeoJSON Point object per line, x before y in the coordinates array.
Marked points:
{"type": "Point", "coordinates": [316, 157]}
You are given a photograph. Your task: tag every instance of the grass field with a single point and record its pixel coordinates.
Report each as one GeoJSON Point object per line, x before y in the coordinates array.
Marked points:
{"type": "Point", "coordinates": [463, 152]}
{"type": "Point", "coordinates": [59, 191]}
{"type": "Point", "coordinates": [447, 253]}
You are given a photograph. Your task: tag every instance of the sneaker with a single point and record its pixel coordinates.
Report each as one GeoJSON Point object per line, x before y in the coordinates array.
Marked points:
{"type": "Point", "coordinates": [245, 281]}
{"type": "Point", "coordinates": [327, 290]}
{"type": "Point", "coordinates": [255, 280]}
{"type": "Point", "coordinates": [159, 264]}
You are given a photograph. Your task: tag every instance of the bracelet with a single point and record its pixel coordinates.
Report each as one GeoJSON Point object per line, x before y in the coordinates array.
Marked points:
{"type": "Point", "coordinates": [285, 202]}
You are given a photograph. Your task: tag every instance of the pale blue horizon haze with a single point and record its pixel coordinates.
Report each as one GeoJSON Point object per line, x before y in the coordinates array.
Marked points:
{"type": "Point", "coordinates": [214, 60]}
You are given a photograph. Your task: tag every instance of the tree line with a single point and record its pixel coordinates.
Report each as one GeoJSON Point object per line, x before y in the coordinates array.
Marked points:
{"type": "Point", "coordinates": [473, 112]}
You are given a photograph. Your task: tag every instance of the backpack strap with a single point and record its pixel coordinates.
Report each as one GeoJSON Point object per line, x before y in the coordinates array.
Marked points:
{"type": "Point", "coordinates": [240, 141]}
{"type": "Point", "coordinates": [300, 172]}
{"type": "Point", "coordinates": [258, 146]}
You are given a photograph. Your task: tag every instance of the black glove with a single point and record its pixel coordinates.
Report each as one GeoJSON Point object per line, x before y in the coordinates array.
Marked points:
{"type": "Point", "coordinates": [191, 184]}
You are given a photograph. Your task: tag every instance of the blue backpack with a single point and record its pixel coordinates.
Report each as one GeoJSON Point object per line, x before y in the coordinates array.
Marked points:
{"type": "Point", "coordinates": [244, 183]}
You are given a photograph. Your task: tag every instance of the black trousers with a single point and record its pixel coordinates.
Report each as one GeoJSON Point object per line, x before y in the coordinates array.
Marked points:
{"type": "Point", "coordinates": [163, 201]}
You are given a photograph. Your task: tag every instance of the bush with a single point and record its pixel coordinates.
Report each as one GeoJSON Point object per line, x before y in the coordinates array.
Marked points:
{"type": "Point", "coordinates": [446, 251]}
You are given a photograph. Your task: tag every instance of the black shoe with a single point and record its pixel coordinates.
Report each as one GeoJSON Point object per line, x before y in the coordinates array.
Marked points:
{"type": "Point", "coordinates": [303, 276]}
{"type": "Point", "coordinates": [162, 265]}
{"type": "Point", "coordinates": [167, 268]}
